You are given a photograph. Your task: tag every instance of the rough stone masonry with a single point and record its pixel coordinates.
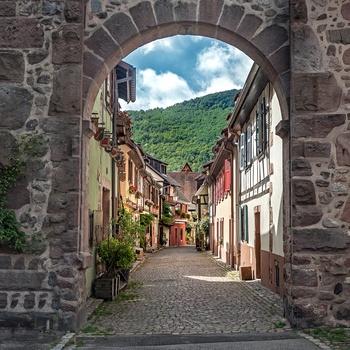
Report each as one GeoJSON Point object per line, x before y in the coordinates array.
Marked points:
{"type": "Point", "coordinates": [53, 57]}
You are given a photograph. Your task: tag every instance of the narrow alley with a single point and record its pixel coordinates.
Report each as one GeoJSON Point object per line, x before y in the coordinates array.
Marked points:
{"type": "Point", "coordinates": [175, 293]}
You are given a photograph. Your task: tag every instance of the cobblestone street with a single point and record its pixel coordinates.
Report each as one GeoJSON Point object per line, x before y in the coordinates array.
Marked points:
{"type": "Point", "coordinates": [182, 291]}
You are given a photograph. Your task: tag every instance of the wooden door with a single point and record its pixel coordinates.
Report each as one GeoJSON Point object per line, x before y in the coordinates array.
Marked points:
{"type": "Point", "coordinates": [257, 244]}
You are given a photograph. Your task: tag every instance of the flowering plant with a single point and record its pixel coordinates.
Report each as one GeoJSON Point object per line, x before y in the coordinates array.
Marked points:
{"type": "Point", "coordinates": [149, 202]}
{"type": "Point", "coordinates": [125, 116]}
{"type": "Point", "coordinates": [133, 189]}
{"type": "Point", "coordinates": [138, 194]}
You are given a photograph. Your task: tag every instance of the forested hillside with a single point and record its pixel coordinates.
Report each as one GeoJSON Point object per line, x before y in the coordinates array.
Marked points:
{"type": "Point", "coordinates": [185, 132]}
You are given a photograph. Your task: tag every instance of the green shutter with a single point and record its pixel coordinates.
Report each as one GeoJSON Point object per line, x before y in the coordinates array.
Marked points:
{"type": "Point", "coordinates": [245, 214]}
{"type": "Point", "coordinates": [240, 233]}
{"type": "Point", "coordinates": [242, 162]}
{"type": "Point", "coordinates": [258, 129]}
{"type": "Point", "coordinates": [249, 145]}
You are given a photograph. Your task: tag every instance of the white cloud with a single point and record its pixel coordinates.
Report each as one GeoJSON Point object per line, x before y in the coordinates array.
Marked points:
{"type": "Point", "coordinates": [217, 67]}
{"type": "Point", "coordinates": [221, 67]}
{"type": "Point", "coordinates": [159, 90]}
{"type": "Point", "coordinates": [162, 44]}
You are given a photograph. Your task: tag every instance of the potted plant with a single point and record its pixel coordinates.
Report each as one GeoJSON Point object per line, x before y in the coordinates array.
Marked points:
{"type": "Point", "coordinates": [117, 257]}
{"type": "Point", "coordinates": [149, 202]}
{"type": "Point", "coordinates": [117, 252]}
{"type": "Point", "coordinates": [132, 189]}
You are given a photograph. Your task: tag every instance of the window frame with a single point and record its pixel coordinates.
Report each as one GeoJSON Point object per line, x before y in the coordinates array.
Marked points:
{"type": "Point", "coordinates": [249, 145]}
{"type": "Point", "coordinates": [243, 223]}
{"type": "Point", "coordinates": [262, 127]}
{"type": "Point", "coordinates": [242, 162]}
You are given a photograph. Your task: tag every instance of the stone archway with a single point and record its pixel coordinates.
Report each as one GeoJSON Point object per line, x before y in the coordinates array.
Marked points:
{"type": "Point", "coordinates": [54, 56]}
{"type": "Point", "coordinates": [261, 32]}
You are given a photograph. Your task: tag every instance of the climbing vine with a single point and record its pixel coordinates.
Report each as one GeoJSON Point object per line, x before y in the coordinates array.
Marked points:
{"type": "Point", "coordinates": [10, 173]}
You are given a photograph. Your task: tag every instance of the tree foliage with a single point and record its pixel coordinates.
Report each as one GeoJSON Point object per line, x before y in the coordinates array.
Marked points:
{"type": "Point", "coordinates": [185, 132]}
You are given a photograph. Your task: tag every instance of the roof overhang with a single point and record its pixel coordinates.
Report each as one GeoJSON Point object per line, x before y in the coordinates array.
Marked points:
{"type": "Point", "coordinates": [255, 84]}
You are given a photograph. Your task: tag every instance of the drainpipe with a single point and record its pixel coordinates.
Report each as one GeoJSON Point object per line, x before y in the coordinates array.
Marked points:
{"type": "Point", "coordinates": [235, 188]}
{"type": "Point", "coordinates": [114, 140]}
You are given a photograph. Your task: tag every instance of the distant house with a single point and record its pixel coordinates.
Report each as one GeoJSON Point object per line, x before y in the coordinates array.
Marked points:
{"type": "Point", "coordinates": [167, 197]}
{"type": "Point", "coordinates": [187, 180]}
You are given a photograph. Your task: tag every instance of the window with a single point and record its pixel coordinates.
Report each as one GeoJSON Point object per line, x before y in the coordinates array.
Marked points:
{"type": "Point", "coordinates": [245, 145]}
{"type": "Point", "coordinates": [243, 223]}
{"type": "Point", "coordinates": [262, 127]}
{"type": "Point", "coordinates": [136, 177]}
{"type": "Point", "coordinates": [109, 91]}
{"type": "Point", "coordinates": [249, 155]}
{"type": "Point", "coordinates": [130, 169]}
{"type": "Point", "coordinates": [242, 151]}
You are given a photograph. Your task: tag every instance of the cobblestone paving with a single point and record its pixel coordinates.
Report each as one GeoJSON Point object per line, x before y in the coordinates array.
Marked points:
{"type": "Point", "coordinates": [182, 291]}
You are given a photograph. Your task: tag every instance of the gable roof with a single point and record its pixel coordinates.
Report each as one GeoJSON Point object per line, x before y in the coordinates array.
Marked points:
{"type": "Point", "coordinates": [186, 167]}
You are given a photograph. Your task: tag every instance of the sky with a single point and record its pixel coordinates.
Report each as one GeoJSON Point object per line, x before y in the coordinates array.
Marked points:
{"type": "Point", "coordinates": [180, 68]}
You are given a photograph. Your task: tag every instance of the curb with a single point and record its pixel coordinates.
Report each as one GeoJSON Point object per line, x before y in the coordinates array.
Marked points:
{"type": "Point", "coordinates": [314, 340]}
{"type": "Point", "coordinates": [64, 341]}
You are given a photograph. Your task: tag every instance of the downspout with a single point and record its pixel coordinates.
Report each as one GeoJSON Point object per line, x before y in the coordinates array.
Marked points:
{"type": "Point", "coordinates": [233, 217]}
{"type": "Point", "coordinates": [115, 143]}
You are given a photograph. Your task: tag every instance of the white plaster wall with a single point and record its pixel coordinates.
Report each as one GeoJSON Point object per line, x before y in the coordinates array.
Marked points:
{"type": "Point", "coordinates": [259, 171]}
{"type": "Point", "coordinates": [263, 202]}
{"type": "Point", "coordinates": [276, 158]}
{"type": "Point", "coordinates": [223, 211]}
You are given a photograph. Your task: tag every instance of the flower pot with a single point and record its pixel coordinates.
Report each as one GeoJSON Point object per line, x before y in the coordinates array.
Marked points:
{"type": "Point", "coordinates": [105, 288]}
{"type": "Point", "coordinates": [105, 142]}
{"type": "Point", "coordinates": [114, 153]}
{"type": "Point", "coordinates": [100, 133]}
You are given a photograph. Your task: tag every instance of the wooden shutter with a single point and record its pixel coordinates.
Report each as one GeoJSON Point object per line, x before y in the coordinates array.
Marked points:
{"type": "Point", "coordinates": [249, 145]}
{"type": "Point", "coordinates": [258, 130]}
{"type": "Point", "coordinates": [242, 150]}
{"type": "Point", "coordinates": [109, 90]}
{"type": "Point", "coordinates": [222, 186]}
{"type": "Point", "coordinates": [227, 175]}
{"type": "Point", "coordinates": [245, 214]}
{"type": "Point", "coordinates": [130, 170]}
{"type": "Point", "coordinates": [240, 231]}
{"type": "Point", "coordinates": [266, 124]}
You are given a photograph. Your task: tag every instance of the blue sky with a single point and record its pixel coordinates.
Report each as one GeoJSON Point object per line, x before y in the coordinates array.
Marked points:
{"type": "Point", "coordinates": [179, 68]}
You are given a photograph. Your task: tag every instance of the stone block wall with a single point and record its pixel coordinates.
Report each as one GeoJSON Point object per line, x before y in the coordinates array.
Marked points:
{"type": "Point", "coordinates": [40, 94]}
{"type": "Point", "coordinates": [53, 57]}
{"type": "Point", "coordinates": [318, 272]}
